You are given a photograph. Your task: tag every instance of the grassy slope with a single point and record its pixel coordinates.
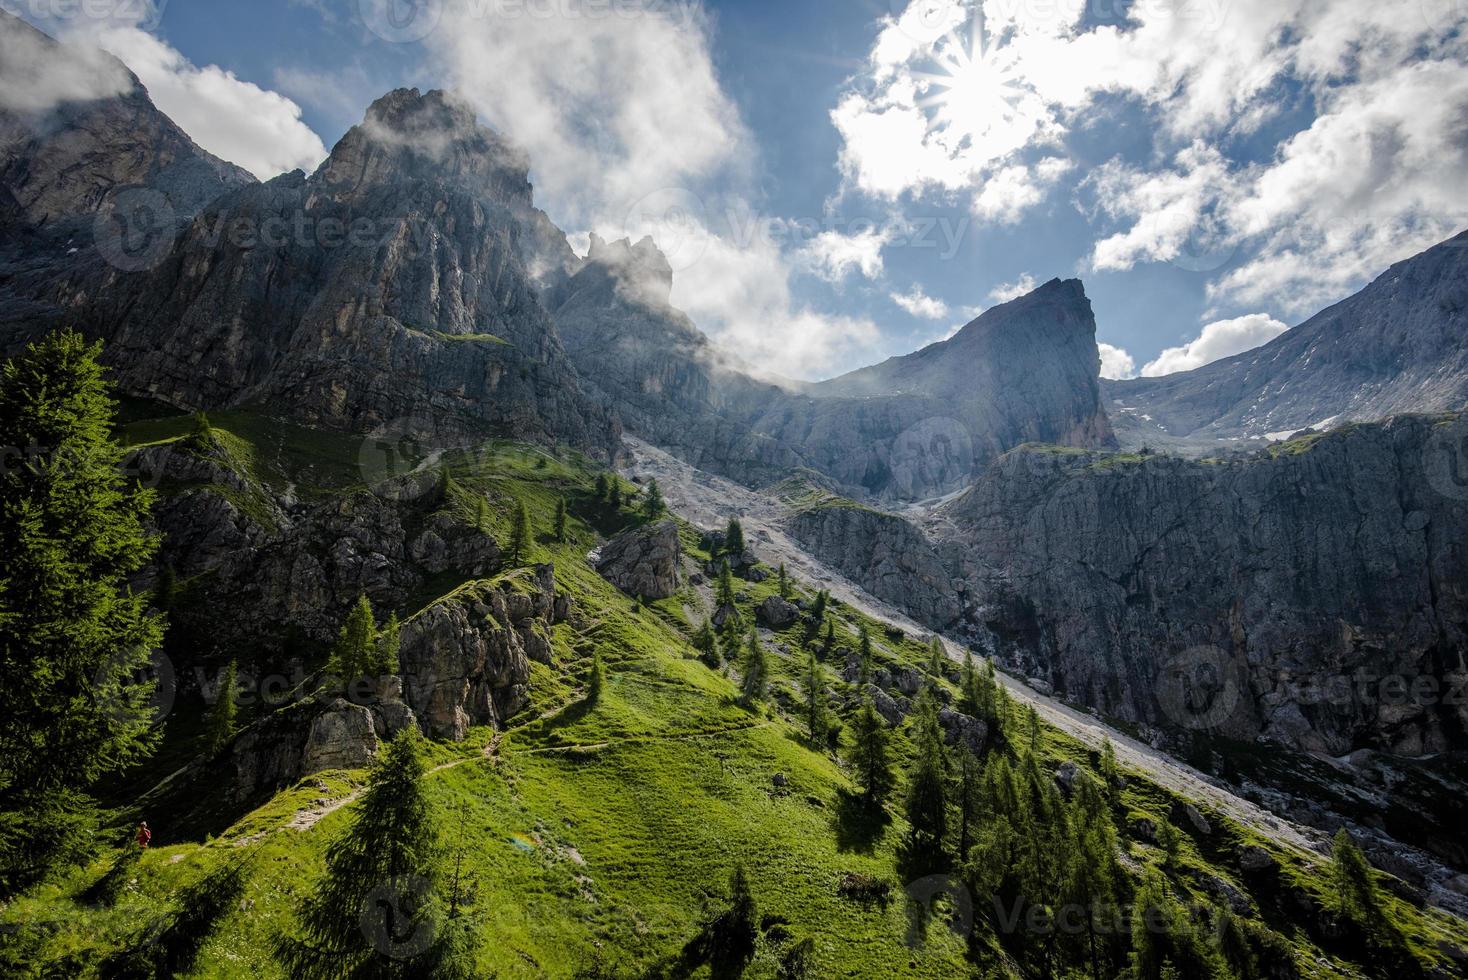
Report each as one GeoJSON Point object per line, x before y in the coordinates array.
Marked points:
{"type": "Point", "coordinates": [606, 827]}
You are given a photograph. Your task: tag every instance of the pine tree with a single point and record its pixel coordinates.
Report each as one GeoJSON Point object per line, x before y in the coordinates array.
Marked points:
{"type": "Point", "coordinates": [653, 505]}
{"type": "Point", "coordinates": [560, 525]}
{"type": "Point", "coordinates": [614, 492]}
{"type": "Point", "coordinates": [597, 679]}
{"type": "Point", "coordinates": [1356, 898]}
{"type": "Point", "coordinates": [481, 515]}
{"type": "Point", "coordinates": [706, 642]}
{"type": "Point", "coordinates": [864, 656]}
{"type": "Point", "coordinates": [937, 656]}
{"type": "Point", "coordinates": [724, 591]}
{"type": "Point", "coordinates": [731, 934]}
{"type": "Point", "coordinates": [1032, 728]}
{"type": "Point", "coordinates": [816, 714]}
{"type": "Point", "coordinates": [927, 805]}
{"type": "Point", "coordinates": [818, 607]}
{"type": "Point", "coordinates": [1092, 876]}
{"type": "Point", "coordinates": [754, 668]}
{"type": "Point", "coordinates": [520, 532]}
{"type": "Point", "coordinates": [784, 582]}
{"type": "Point", "coordinates": [968, 798]}
{"type": "Point", "coordinates": [1169, 840]}
{"type": "Point", "coordinates": [75, 641]}
{"type": "Point", "coordinates": [377, 911]}
{"type": "Point", "coordinates": [385, 659]}
{"type": "Point", "coordinates": [829, 641]}
{"type": "Point", "coordinates": [734, 537]}
{"type": "Point", "coordinates": [601, 487]}
{"type": "Point", "coordinates": [870, 755]}
{"type": "Point", "coordinates": [219, 728]}
{"type": "Point", "coordinates": [353, 655]}
{"type": "Point", "coordinates": [1109, 771]}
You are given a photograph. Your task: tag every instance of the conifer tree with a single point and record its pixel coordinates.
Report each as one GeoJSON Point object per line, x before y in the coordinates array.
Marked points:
{"type": "Point", "coordinates": [601, 487]}
{"type": "Point", "coordinates": [731, 935]}
{"type": "Point", "coordinates": [481, 515]}
{"type": "Point", "coordinates": [75, 641]}
{"type": "Point", "coordinates": [597, 679]}
{"type": "Point", "coordinates": [754, 670]}
{"type": "Point", "coordinates": [816, 713]}
{"type": "Point", "coordinates": [784, 582]}
{"type": "Point", "coordinates": [614, 492]}
{"type": "Point", "coordinates": [724, 590]}
{"type": "Point", "coordinates": [829, 642]}
{"type": "Point", "coordinates": [864, 656]}
{"type": "Point", "coordinates": [520, 532]}
{"type": "Point", "coordinates": [706, 642]}
{"type": "Point", "coordinates": [385, 659]}
{"type": "Point", "coordinates": [354, 653]}
{"type": "Point", "coordinates": [937, 656]}
{"type": "Point", "coordinates": [653, 505]}
{"type": "Point", "coordinates": [818, 607]}
{"type": "Point", "coordinates": [968, 794]}
{"type": "Point", "coordinates": [560, 525]}
{"type": "Point", "coordinates": [734, 537]}
{"type": "Point", "coordinates": [1356, 898]}
{"type": "Point", "coordinates": [968, 687]}
{"type": "Point", "coordinates": [927, 805]}
{"type": "Point", "coordinates": [221, 722]}
{"type": "Point", "coordinates": [1093, 875]}
{"type": "Point", "coordinates": [1169, 840]}
{"type": "Point", "coordinates": [1109, 771]}
{"type": "Point", "coordinates": [870, 754]}
{"type": "Point", "coordinates": [377, 911]}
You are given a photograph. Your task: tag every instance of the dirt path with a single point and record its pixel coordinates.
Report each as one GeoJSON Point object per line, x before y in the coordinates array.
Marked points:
{"type": "Point", "coordinates": [710, 501]}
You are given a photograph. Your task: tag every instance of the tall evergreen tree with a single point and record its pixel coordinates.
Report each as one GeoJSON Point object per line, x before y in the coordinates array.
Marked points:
{"type": "Point", "coordinates": [968, 793]}
{"type": "Point", "coordinates": [1093, 875]}
{"type": "Point", "coordinates": [754, 669]}
{"type": "Point", "coordinates": [597, 679]}
{"type": "Point", "coordinates": [816, 713]}
{"type": "Point", "coordinates": [927, 803]}
{"type": "Point", "coordinates": [560, 525]}
{"type": "Point", "coordinates": [937, 657]}
{"type": "Point", "coordinates": [220, 727]}
{"type": "Point", "coordinates": [1110, 774]}
{"type": "Point", "coordinates": [481, 515]}
{"type": "Point", "coordinates": [601, 487]}
{"type": "Point", "coordinates": [520, 532]}
{"type": "Point", "coordinates": [378, 909]}
{"type": "Point", "coordinates": [864, 656]}
{"type": "Point", "coordinates": [653, 504]}
{"type": "Point", "coordinates": [734, 537]}
{"type": "Point", "coordinates": [784, 582]}
{"type": "Point", "coordinates": [1356, 898]}
{"type": "Point", "coordinates": [75, 642]}
{"type": "Point", "coordinates": [386, 647]}
{"type": "Point", "coordinates": [706, 642]}
{"type": "Point", "coordinates": [614, 492]}
{"type": "Point", "coordinates": [818, 606]}
{"type": "Point", "coordinates": [724, 590]}
{"type": "Point", "coordinates": [354, 653]}
{"type": "Point", "coordinates": [870, 755]}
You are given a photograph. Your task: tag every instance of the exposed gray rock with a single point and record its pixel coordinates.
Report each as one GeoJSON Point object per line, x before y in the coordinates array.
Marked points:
{"type": "Point", "coordinates": [958, 727]}
{"type": "Point", "coordinates": [341, 737]}
{"type": "Point", "coordinates": [777, 613]}
{"type": "Point", "coordinates": [1256, 859]}
{"type": "Point", "coordinates": [1065, 777]}
{"type": "Point", "coordinates": [885, 704]}
{"type": "Point", "coordinates": [643, 561]}
{"type": "Point", "coordinates": [1186, 815]}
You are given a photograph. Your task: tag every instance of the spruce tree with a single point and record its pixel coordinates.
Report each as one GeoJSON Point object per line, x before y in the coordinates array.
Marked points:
{"type": "Point", "coordinates": [560, 525]}
{"type": "Point", "coordinates": [724, 590]}
{"type": "Point", "coordinates": [597, 680]}
{"type": "Point", "coordinates": [520, 532]}
{"type": "Point", "coordinates": [784, 582]}
{"type": "Point", "coordinates": [377, 911]}
{"type": "Point", "coordinates": [818, 607]}
{"type": "Point", "coordinates": [1169, 839]}
{"type": "Point", "coordinates": [601, 487]}
{"type": "Point", "coordinates": [1110, 774]}
{"type": "Point", "coordinates": [220, 726]}
{"type": "Point", "coordinates": [1093, 875]}
{"type": "Point", "coordinates": [927, 805]}
{"type": "Point", "coordinates": [75, 641]}
{"type": "Point", "coordinates": [706, 642]}
{"type": "Point", "coordinates": [864, 656]}
{"type": "Point", "coordinates": [1356, 898]}
{"type": "Point", "coordinates": [968, 792]}
{"type": "Point", "coordinates": [816, 713]}
{"type": "Point", "coordinates": [870, 755]}
{"type": "Point", "coordinates": [614, 492]}
{"type": "Point", "coordinates": [653, 505]}
{"type": "Point", "coordinates": [754, 669]}
{"type": "Point", "coordinates": [937, 656]}
{"type": "Point", "coordinates": [354, 654]}
{"type": "Point", "coordinates": [386, 647]}
{"type": "Point", "coordinates": [734, 537]}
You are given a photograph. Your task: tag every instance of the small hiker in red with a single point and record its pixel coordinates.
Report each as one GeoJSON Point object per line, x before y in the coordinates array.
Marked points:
{"type": "Point", "coordinates": [144, 835]}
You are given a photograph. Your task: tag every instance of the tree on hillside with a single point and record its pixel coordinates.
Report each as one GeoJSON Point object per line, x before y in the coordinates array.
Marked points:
{"type": "Point", "coordinates": [220, 726]}
{"type": "Point", "coordinates": [601, 487]}
{"type": "Point", "coordinates": [818, 607]}
{"type": "Point", "coordinates": [706, 642]}
{"type": "Point", "coordinates": [652, 504]}
{"type": "Point", "coordinates": [754, 669]}
{"type": "Point", "coordinates": [731, 934]}
{"type": "Point", "coordinates": [1355, 894]}
{"type": "Point", "coordinates": [354, 652]}
{"type": "Point", "coordinates": [75, 642]}
{"type": "Point", "coordinates": [968, 797]}
{"type": "Point", "coordinates": [520, 532]}
{"type": "Point", "coordinates": [734, 537]}
{"type": "Point", "coordinates": [1110, 774]}
{"type": "Point", "coordinates": [560, 525]}
{"type": "Point", "coordinates": [864, 656]}
{"type": "Point", "coordinates": [870, 755]}
{"type": "Point", "coordinates": [614, 492]}
{"type": "Point", "coordinates": [817, 719]}
{"type": "Point", "coordinates": [481, 515]}
{"type": "Point", "coordinates": [377, 911]}
{"type": "Point", "coordinates": [597, 679]}
{"type": "Point", "coordinates": [783, 582]}
{"type": "Point", "coordinates": [385, 649]}
{"type": "Point", "coordinates": [724, 588]}
{"type": "Point", "coordinates": [937, 657]}
{"type": "Point", "coordinates": [927, 798]}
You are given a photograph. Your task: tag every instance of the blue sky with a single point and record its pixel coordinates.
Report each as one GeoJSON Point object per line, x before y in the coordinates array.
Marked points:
{"type": "Point", "coordinates": [842, 182]}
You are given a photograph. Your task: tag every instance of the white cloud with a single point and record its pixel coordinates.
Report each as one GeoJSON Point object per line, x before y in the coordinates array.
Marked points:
{"type": "Point", "coordinates": [831, 255]}
{"type": "Point", "coordinates": [1006, 291]}
{"type": "Point", "coordinates": [1222, 338]}
{"type": "Point", "coordinates": [1116, 363]}
{"type": "Point", "coordinates": [36, 77]}
{"type": "Point", "coordinates": [920, 304]}
{"type": "Point", "coordinates": [234, 119]}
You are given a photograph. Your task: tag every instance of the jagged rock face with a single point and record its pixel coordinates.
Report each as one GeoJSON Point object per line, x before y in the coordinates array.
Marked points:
{"type": "Point", "coordinates": [388, 288]}
{"type": "Point", "coordinates": [65, 161]}
{"type": "Point", "coordinates": [1397, 346]}
{"type": "Point", "coordinates": [643, 561]}
{"type": "Point", "coordinates": [1285, 579]}
{"type": "Point", "coordinates": [885, 555]}
{"type": "Point", "coordinates": [910, 428]}
{"type": "Point", "coordinates": [467, 657]}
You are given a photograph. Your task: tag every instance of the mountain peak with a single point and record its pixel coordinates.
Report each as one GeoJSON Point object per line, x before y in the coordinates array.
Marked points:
{"type": "Point", "coordinates": [641, 266]}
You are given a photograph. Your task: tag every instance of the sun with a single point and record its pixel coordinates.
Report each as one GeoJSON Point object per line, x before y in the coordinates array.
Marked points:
{"type": "Point", "coordinates": [974, 89]}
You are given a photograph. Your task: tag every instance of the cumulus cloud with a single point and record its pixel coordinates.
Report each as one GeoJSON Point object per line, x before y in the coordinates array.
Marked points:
{"type": "Point", "coordinates": [1006, 291]}
{"type": "Point", "coordinates": [920, 304]}
{"type": "Point", "coordinates": [831, 255]}
{"type": "Point", "coordinates": [1116, 363]}
{"type": "Point", "coordinates": [36, 76]}
{"type": "Point", "coordinates": [1222, 338]}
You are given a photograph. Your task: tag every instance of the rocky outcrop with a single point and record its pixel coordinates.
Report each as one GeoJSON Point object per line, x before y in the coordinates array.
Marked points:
{"type": "Point", "coordinates": [466, 658]}
{"type": "Point", "coordinates": [777, 613]}
{"type": "Point", "coordinates": [884, 554]}
{"type": "Point", "coordinates": [1396, 346]}
{"type": "Point", "coordinates": [1316, 594]}
{"type": "Point", "coordinates": [643, 561]}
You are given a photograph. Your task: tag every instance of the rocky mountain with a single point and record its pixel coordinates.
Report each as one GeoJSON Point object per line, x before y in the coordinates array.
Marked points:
{"type": "Point", "coordinates": [1396, 346]}
{"type": "Point", "coordinates": [910, 428]}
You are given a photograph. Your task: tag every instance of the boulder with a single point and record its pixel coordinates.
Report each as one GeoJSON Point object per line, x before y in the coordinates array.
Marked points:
{"type": "Point", "coordinates": [1256, 859]}
{"type": "Point", "coordinates": [1186, 815]}
{"type": "Point", "coordinates": [1065, 777]}
{"type": "Point", "coordinates": [777, 613]}
{"type": "Point", "coordinates": [643, 561]}
{"type": "Point", "coordinates": [959, 727]}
